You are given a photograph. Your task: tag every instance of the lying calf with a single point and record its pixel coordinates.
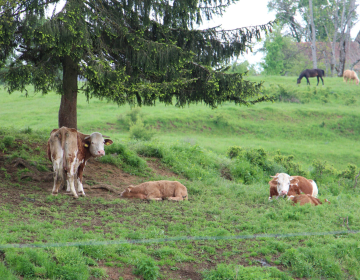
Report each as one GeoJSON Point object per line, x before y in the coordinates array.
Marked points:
{"type": "Point", "coordinates": [306, 198]}
{"type": "Point", "coordinates": [157, 190]}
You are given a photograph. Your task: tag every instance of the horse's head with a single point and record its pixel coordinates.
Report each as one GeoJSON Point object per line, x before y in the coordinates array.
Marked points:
{"type": "Point", "coordinates": [298, 81]}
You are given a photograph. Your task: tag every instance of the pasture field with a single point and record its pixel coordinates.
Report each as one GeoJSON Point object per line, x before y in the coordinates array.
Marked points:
{"type": "Point", "coordinates": [227, 230]}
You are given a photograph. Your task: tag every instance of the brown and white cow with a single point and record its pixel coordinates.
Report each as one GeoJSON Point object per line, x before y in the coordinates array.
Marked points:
{"type": "Point", "coordinates": [306, 198]}
{"type": "Point", "coordinates": [157, 190]}
{"type": "Point", "coordinates": [69, 150]}
{"type": "Point", "coordinates": [283, 184]}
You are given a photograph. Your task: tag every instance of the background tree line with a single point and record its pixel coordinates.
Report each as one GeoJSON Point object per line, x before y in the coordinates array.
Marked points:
{"type": "Point", "coordinates": [325, 23]}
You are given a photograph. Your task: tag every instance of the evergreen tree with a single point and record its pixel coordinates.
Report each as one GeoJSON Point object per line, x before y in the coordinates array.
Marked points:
{"type": "Point", "coordinates": [127, 51]}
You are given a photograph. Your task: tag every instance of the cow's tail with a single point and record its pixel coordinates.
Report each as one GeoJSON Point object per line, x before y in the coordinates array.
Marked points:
{"type": "Point", "coordinates": [63, 139]}
{"type": "Point", "coordinates": [315, 188]}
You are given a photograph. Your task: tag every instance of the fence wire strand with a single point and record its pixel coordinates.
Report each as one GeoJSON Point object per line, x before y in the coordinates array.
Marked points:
{"type": "Point", "coordinates": [172, 239]}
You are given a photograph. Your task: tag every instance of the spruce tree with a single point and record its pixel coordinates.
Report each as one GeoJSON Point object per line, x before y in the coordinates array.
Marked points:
{"type": "Point", "coordinates": [126, 51]}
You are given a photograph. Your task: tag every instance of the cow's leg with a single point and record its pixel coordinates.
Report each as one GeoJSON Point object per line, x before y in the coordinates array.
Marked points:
{"type": "Point", "coordinates": [71, 183]}
{"type": "Point", "coordinates": [154, 198]}
{"type": "Point", "coordinates": [177, 198]}
{"type": "Point", "coordinates": [80, 186]}
{"type": "Point", "coordinates": [58, 175]}
{"type": "Point", "coordinates": [71, 175]}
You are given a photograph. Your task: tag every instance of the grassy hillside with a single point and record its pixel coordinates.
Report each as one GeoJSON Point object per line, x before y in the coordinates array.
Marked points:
{"type": "Point", "coordinates": [319, 123]}
{"type": "Point", "coordinates": [227, 230]}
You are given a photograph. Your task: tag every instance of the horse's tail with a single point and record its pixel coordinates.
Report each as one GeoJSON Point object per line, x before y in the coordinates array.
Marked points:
{"type": "Point", "coordinates": [356, 77]}
{"type": "Point", "coordinates": [323, 73]}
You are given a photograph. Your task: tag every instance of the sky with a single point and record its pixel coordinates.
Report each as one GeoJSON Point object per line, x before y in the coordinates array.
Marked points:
{"type": "Point", "coordinates": [248, 13]}
{"type": "Point", "coordinates": [245, 13]}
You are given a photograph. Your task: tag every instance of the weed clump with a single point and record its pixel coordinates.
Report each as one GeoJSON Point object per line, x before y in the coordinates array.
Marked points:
{"type": "Point", "coordinates": [147, 268]}
{"type": "Point", "coordinates": [8, 141]}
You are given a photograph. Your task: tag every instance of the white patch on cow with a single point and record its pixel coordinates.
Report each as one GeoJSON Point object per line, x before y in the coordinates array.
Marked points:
{"type": "Point", "coordinates": [283, 183]}
{"type": "Point", "coordinates": [96, 144]}
{"type": "Point", "coordinates": [315, 188]}
{"type": "Point", "coordinates": [80, 187]}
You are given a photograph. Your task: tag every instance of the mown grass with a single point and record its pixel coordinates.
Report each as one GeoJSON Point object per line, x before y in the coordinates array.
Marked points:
{"type": "Point", "coordinates": [219, 208]}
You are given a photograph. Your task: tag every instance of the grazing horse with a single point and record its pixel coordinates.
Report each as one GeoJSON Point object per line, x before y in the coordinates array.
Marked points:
{"type": "Point", "coordinates": [350, 75]}
{"type": "Point", "coordinates": [312, 73]}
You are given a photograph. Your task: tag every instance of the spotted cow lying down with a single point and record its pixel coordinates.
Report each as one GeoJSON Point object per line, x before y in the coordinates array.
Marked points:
{"type": "Point", "coordinates": [283, 184]}
{"type": "Point", "coordinates": [157, 190]}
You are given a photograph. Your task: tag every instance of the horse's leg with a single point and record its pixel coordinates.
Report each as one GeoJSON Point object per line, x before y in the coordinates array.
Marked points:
{"type": "Point", "coordinates": [318, 80]}
{"type": "Point", "coordinates": [307, 79]}
{"type": "Point", "coordinates": [322, 80]}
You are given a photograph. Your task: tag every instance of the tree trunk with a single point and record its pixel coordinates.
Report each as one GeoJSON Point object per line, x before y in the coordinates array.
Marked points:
{"type": "Point", "coordinates": [313, 37]}
{"type": "Point", "coordinates": [342, 44]}
{"type": "Point", "coordinates": [67, 110]}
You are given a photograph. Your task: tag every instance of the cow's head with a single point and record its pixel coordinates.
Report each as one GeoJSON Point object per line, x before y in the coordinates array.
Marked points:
{"type": "Point", "coordinates": [283, 183]}
{"type": "Point", "coordinates": [127, 192]}
{"type": "Point", "coordinates": [95, 141]}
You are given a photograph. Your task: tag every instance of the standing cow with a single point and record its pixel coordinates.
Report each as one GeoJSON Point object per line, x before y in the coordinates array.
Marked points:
{"type": "Point", "coordinates": [283, 184]}
{"type": "Point", "coordinates": [69, 150]}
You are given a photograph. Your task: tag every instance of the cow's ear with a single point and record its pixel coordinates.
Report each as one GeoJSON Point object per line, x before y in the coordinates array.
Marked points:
{"type": "Point", "coordinates": [86, 142]}
{"type": "Point", "coordinates": [129, 189]}
{"type": "Point", "coordinates": [274, 176]}
{"type": "Point", "coordinates": [108, 142]}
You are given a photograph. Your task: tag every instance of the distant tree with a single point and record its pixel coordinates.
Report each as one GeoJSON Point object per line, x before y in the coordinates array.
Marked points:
{"type": "Point", "coordinates": [242, 67]}
{"type": "Point", "coordinates": [129, 51]}
{"type": "Point", "coordinates": [332, 22]}
{"type": "Point", "coordinates": [281, 54]}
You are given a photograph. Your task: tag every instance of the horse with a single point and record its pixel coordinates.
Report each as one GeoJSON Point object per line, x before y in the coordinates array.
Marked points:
{"type": "Point", "coordinates": [312, 73]}
{"type": "Point", "coordinates": [350, 75]}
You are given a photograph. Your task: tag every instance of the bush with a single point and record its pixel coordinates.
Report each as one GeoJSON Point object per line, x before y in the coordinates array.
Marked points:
{"type": "Point", "coordinates": [234, 151]}
{"type": "Point", "coordinates": [139, 132]}
{"type": "Point", "coordinates": [119, 155]}
{"type": "Point", "coordinates": [8, 140]}
{"type": "Point", "coordinates": [147, 268]}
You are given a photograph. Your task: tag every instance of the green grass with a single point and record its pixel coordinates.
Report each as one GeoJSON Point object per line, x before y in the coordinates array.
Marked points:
{"type": "Point", "coordinates": [194, 142]}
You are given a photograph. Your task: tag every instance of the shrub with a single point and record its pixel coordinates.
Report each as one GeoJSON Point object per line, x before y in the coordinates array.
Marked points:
{"type": "Point", "coordinates": [119, 155]}
{"type": "Point", "coordinates": [139, 132]}
{"type": "Point", "coordinates": [150, 150]}
{"type": "Point", "coordinates": [8, 140]}
{"type": "Point", "coordinates": [234, 151]}
{"type": "Point", "coordinates": [147, 268]}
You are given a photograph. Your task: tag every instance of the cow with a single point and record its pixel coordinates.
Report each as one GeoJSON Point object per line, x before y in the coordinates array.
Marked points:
{"type": "Point", "coordinates": [69, 150]}
{"type": "Point", "coordinates": [306, 198]}
{"type": "Point", "coordinates": [157, 190]}
{"type": "Point", "coordinates": [283, 184]}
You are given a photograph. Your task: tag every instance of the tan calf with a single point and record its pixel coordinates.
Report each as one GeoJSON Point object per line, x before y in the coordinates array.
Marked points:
{"type": "Point", "coordinates": [306, 198]}
{"type": "Point", "coordinates": [157, 190]}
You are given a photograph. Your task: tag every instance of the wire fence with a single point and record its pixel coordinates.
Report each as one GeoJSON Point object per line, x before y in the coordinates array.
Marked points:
{"type": "Point", "coordinates": [171, 239]}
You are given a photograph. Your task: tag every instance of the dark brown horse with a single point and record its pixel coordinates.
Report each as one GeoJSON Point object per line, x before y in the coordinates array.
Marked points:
{"type": "Point", "coordinates": [311, 73]}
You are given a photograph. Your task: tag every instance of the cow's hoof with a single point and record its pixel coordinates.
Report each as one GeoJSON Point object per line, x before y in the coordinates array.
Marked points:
{"type": "Point", "coordinates": [54, 194]}
{"type": "Point", "coordinates": [82, 194]}
{"type": "Point", "coordinates": [76, 197]}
